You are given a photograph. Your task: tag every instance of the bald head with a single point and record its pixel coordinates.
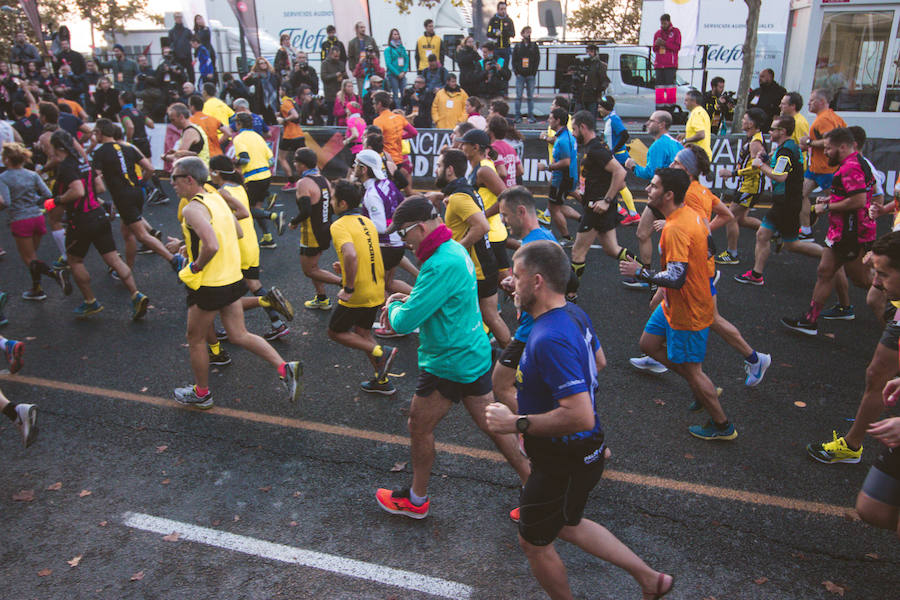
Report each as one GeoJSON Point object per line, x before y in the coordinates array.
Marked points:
{"type": "Point", "coordinates": [663, 118]}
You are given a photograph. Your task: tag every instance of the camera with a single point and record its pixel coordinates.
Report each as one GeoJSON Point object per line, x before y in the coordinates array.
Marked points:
{"type": "Point", "coordinates": [728, 99]}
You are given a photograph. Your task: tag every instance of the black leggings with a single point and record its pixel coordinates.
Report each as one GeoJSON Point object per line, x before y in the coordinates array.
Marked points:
{"type": "Point", "coordinates": [257, 192]}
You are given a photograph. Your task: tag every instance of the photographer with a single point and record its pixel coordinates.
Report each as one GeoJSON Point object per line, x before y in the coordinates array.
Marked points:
{"type": "Point", "coordinates": [526, 58]}
{"type": "Point", "coordinates": [719, 104]}
{"type": "Point", "coordinates": [496, 73]}
{"type": "Point", "coordinates": [595, 80]}
{"type": "Point", "coordinates": [169, 74]}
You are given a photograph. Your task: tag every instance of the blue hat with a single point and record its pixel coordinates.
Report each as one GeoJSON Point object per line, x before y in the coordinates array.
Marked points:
{"type": "Point", "coordinates": [120, 47]}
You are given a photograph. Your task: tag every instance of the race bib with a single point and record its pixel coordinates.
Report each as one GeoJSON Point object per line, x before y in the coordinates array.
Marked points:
{"type": "Point", "coordinates": [449, 103]}
{"type": "Point", "coordinates": [166, 78]}
{"type": "Point", "coordinates": [92, 89]}
{"type": "Point", "coordinates": [401, 62]}
{"type": "Point", "coordinates": [755, 100]}
{"type": "Point", "coordinates": [525, 62]}
{"type": "Point", "coordinates": [120, 77]}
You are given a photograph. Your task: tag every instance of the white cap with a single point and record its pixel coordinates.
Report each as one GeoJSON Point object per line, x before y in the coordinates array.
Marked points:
{"type": "Point", "coordinates": [371, 159]}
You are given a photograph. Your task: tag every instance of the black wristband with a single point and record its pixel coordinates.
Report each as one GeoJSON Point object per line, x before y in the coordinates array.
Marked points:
{"type": "Point", "coordinates": [349, 290]}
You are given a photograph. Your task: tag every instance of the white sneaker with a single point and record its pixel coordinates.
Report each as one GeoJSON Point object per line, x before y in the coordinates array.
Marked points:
{"type": "Point", "coordinates": [645, 363]}
{"type": "Point", "coordinates": [27, 422]}
{"type": "Point", "coordinates": [756, 372]}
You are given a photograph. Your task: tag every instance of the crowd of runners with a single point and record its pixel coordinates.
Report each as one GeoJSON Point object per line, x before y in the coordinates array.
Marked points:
{"type": "Point", "coordinates": [440, 264]}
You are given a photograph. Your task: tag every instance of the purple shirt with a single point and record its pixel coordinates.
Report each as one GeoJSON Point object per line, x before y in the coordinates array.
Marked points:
{"type": "Point", "coordinates": [852, 177]}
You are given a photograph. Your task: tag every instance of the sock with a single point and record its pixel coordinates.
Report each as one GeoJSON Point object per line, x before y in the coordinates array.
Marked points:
{"type": "Point", "coordinates": [267, 237]}
{"type": "Point", "coordinates": [282, 370]}
{"type": "Point", "coordinates": [755, 274]}
{"type": "Point", "coordinates": [752, 358]}
{"type": "Point", "coordinates": [59, 237]}
{"type": "Point", "coordinates": [155, 232]}
{"type": "Point", "coordinates": [417, 500]}
{"type": "Point", "coordinates": [216, 348]}
{"type": "Point", "coordinates": [723, 426]}
{"type": "Point", "coordinates": [625, 254]}
{"type": "Point", "coordinates": [91, 301]}
{"type": "Point", "coordinates": [321, 297]}
{"type": "Point", "coordinates": [10, 411]}
{"type": "Point", "coordinates": [814, 309]}
{"type": "Point", "coordinates": [578, 268]}
{"type": "Point", "coordinates": [805, 229]}
{"type": "Point", "coordinates": [733, 253]}
{"type": "Point", "coordinates": [628, 199]}
{"type": "Point", "coordinates": [378, 352]}
{"type": "Point", "coordinates": [201, 392]}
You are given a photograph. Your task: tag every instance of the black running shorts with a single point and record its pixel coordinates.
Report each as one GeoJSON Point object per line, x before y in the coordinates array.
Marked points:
{"type": "Point", "coordinates": [883, 481]}
{"type": "Point", "coordinates": [257, 191]}
{"type": "Point", "coordinates": [600, 222]}
{"type": "Point", "coordinates": [849, 249]}
{"type": "Point", "coordinates": [130, 204]}
{"type": "Point", "coordinates": [557, 194]}
{"type": "Point", "coordinates": [512, 354]}
{"type": "Point", "coordinates": [487, 287]}
{"type": "Point", "coordinates": [452, 390]}
{"type": "Point", "coordinates": [391, 256]}
{"type": "Point", "coordinates": [345, 318]}
{"type": "Point", "coordinates": [213, 298]}
{"type": "Point", "coordinates": [98, 233]}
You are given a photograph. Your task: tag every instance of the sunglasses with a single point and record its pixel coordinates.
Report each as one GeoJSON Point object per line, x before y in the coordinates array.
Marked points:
{"type": "Point", "coordinates": [404, 231]}
{"type": "Point", "coordinates": [179, 176]}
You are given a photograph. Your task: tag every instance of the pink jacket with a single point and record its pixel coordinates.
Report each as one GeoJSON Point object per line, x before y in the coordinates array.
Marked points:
{"type": "Point", "coordinates": [672, 39]}
{"type": "Point", "coordinates": [340, 109]}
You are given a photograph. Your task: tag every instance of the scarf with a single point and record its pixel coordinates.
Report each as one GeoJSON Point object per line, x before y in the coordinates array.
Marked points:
{"type": "Point", "coordinates": [432, 242]}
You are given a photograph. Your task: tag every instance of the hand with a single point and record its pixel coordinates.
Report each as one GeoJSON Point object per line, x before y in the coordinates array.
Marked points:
{"type": "Point", "coordinates": [658, 224]}
{"type": "Point", "coordinates": [891, 392]}
{"type": "Point", "coordinates": [435, 198]}
{"type": "Point", "coordinates": [757, 162]}
{"type": "Point", "coordinates": [630, 164]}
{"type": "Point", "coordinates": [173, 244]}
{"type": "Point", "coordinates": [508, 284]}
{"type": "Point", "coordinates": [543, 135]}
{"type": "Point", "coordinates": [629, 267]}
{"type": "Point", "coordinates": [398, 297]}
{"type": "Point", "coordinates": [599, 206]}
{"type": "Point", "coordinates": [821, 207]}
{"type": "Point", "coordinates": [886, 431]}
{"type": "Point", "coordinates": [336, 267]}
{"type": "Point", "coordinates": [292, 225]}
{"type": "Point", "coordinates": [726, 173]}
{"type": "Point", "coordinates": [343, 295]}
{"type": "Point", "coordinates": [542, 166]}
{"type": "Point", "coordinates": [680, 137]}
{"type": "Point", "coordinates": [499, 418]}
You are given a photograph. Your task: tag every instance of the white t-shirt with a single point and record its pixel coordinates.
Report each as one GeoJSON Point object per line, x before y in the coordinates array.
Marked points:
{"type": "Point", "coordinates": [374, 205]}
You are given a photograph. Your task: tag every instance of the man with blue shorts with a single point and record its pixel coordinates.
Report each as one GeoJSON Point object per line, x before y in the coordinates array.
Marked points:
{"type": "Point", "coordinates": [677, 331]}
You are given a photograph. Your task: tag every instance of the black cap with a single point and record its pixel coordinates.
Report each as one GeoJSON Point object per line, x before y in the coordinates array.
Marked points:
{"type": "Point", "coordinates": [414, 209]}
{"type": "Point", "coordinates": [476, 136]}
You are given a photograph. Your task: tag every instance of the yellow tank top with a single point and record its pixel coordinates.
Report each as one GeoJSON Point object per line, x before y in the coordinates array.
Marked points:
{"type": "Point", "coordinates": [225, 267]}
{"type": "Point", "coordinates": [257, 151]}
{"type": "Point", "coordinates": [202, 153]}
{"type": "Point", "coordinates": [249, 244]}
{"type": "Point", "coordinates": [498, 231]}
{"type": "Point", "coordinates": [750, 179]}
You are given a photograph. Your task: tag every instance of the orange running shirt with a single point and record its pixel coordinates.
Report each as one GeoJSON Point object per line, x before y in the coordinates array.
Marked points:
{"type": "Point", "coordinates": [825, 122]}
{"type": "Point", "coordinates": [211, 128]}
{"type": "Point", "coordinates": [392, 130]}
{"type": "Point", "coordinates": [702, 200]}
{"type": "Point", "coordinates": [684, 240]}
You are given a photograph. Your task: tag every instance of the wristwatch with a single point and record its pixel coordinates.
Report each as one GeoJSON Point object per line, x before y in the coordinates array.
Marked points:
{"type": "Point", "coordinates": [522, 424]}
{"type": "Point", "coordinates": [349, 290]}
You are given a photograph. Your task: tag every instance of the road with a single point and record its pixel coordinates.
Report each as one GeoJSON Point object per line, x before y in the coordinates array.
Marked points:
{"type": "Point", "coordinates": [272, 500]}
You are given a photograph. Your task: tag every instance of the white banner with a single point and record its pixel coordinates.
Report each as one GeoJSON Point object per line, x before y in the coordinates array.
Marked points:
{"type": "Point", "coordinates": [684, 15]}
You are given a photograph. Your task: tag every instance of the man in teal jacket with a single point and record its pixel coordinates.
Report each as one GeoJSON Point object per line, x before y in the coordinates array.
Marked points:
{"type": "Point", "coordinates": [454, 351]}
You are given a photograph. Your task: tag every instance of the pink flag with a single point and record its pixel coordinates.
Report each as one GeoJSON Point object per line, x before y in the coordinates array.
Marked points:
{"type": "Point", "coordinates": [245, 11]}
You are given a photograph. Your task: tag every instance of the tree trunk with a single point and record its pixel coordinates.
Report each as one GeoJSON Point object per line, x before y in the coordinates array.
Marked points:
{"type": "Point", "coordinates": [749, 58]}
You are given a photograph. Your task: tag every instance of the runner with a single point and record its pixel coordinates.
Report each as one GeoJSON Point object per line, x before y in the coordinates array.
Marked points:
{"type": "Point", "coordinates": [313, 196]}
{"type": "Point", "coordinates": [24, 416]}
{"type": "Point", "coordinates": [254, 157]}
{"type": "Point", "coordinates": [563, 436]}
{"type": "Point", "coordinates": [454, 353]}
{"type": "Point", "coordinates": [466, 220]}
{"type": "Point", "coordinates": [850, 230]}
{"type": "Point", "coordinates": [23, 192]}
{"type": "Point", "coordinates": [394, 129]}
{"type": "Point", "coordinates": [508, 164]}
{"type": "Point", "coordinates": [564, 173]}
{"type": "Point", "coordinates": [615, 135]}
{"type": "Point", "coordinates": [87, 224]}
{"type": "Point", "coordinates": [193, 140]}
{"type": "Point", "coordinates": [819, 170]}
{"type": "Point", "coordinates": [749, 185]}
{"type": "Point", "coordinates": [211, 126]}
{"type": "Point", "coordinates": [677, 331]}
{"type": "Point", "coordinates": [362, 279]}
{"type": "Point", "coordinates": [782, 221]}
{"type": "Point", "coordinates": [292, 137]}
{"type": "Point", "coordinates": [135, 124]}
{"type": "Point", "coordinates": [215, 283]}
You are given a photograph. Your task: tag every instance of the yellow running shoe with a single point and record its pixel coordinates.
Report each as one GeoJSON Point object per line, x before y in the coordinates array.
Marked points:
{"type": "Point", "coordinates": [835, 451]}
{"type": "Point", "coordinates": [315, 303]}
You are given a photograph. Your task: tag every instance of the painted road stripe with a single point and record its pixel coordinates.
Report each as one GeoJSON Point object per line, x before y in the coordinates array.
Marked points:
{"type": "Point", "coordinates": [650, 481]}
{"type": "Point", "coordinates": [298, 556]}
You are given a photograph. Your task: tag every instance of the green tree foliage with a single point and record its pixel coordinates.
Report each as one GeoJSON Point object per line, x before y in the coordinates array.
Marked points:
{"type": "Point", "coordinates": [619, 20]}
{"type": "Point", "coordinates": [111, 16]}
{"type": "Point", "coordinates": [51, 11]}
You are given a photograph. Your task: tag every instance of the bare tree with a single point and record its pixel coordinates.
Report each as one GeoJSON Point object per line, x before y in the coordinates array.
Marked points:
{"type": "Point", "coordinates": [750, 37]}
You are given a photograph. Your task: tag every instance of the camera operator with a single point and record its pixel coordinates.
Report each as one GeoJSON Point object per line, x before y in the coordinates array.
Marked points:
{"type": "Point", "coordinates": [719, 104]}
{"type": "Point", "coordinates": [595, 80]}
{"type": "Point", "coordinates": [170, 74]}
{"type": "Point", "coordinates": [496, 73]}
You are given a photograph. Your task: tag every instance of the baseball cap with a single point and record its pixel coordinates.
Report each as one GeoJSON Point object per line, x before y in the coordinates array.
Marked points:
{"type": "Point", "coordinates": [476, 136]}
{"type": "Point", "coordinates": [376, 78]}
{"type": "Point", "coordinates": [371, 159]}
{"type": "Point", "coordinates": [412, 210]}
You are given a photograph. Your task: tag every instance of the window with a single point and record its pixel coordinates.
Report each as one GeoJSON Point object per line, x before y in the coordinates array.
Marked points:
{"type": "Point", "coordinates": [637, 70]}
{"type": "Point", "coordinates": [892, 93]}
{"type": "Point", "coordinates": [851, 58]}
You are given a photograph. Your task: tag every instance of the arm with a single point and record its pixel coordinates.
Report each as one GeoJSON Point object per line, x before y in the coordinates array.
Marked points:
{"type": "Point", "coordinates": [491, 180]}
{"type": "Point", "coordinates": [478, 228]}
{"type": "Point", "coordinates": [674, 42]}
{"type": "Point", "coordinates": [349, 266]}
{"type": "Point", "coordinates": [700, 135]}
{"type": "Point", "coordinates": [376, 213]}
{"type": "Point", "coordinates": [654, 161]}
{"type": "Point", "coordinates": [673, 277]}
{"type": "Point", "coordinates": [755, 149]}
{"type": "Point", "coordinates": [427, 297]}
{"type": "Point", "coordinates": [779, 173]}
{"type": "Point", "coordinates": [189, 137]}
{"type": "Point", "coordinates": [409, 131]}
{"type": "Point", "coordinates": [72, 193]}
{"type": "Point", "coordinates": [197, 217]}
{"type": "Point", "coordinates": [721, 216]}
{"type": "Point", "coordinates": [853, 202]}
{"type": "Point", "coordinates": [573, 414]}
{"type": "Point", "coordinates": [240, 211]}
{"type": "Point", "coordinates": [129, 128]}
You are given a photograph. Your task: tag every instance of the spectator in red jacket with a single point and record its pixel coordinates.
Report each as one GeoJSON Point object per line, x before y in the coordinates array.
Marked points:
{"type": "Point", "coordinates": [666, 44]}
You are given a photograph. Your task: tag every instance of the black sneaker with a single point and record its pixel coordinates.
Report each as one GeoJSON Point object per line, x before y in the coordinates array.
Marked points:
{"type": "Point", "coordinates": [801, 325]}
{"type": "Point", "coordinates": [269, 244]}
{"type": "Point", "coordinates": [277, 332]}
{"type": "Point", "coordinates": [280, 223]}
{"type": "Point", "coordinates": [389, 353]}
{"type": "Point", "coordinates": [143, 249]}
{"type": "Point", "coordinates": [64, 279]}
{"type": "Point", "coordinates": [221, 359]}
{"type": "Point", "coordinates": [221, 335]}
{"type": "Point", "coordinates": [157, 197]}
{"type": "Point", "coordinates": [374, 386]}
{"type": "Point", "coordinates": [806, 237]}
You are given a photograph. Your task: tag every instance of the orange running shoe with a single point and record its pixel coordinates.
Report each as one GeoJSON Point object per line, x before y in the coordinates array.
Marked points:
{"type": "Point", "coordinates": [514, 515]}
{"type": "Point", "coordinates": [631, 219]}
{"type": "Point", "coordinates": [397, 502]}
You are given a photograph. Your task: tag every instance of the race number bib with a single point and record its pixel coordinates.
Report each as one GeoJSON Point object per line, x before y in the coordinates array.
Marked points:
{"type": "Point", "coordinates": [525, 62]}
{"type": "Point", "coordinates": [401, 62]}
{"type": "Point", "coordinates": [120, 77]}
{"type": "Point", "coordinates": [449, 103]}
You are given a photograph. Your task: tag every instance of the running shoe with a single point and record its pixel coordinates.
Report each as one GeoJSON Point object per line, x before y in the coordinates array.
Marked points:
{"type": "Point", "coordinates": [2, 252]}
{"type": "Point", "coordinates": [315, 303]}
{"type": "Point", "coordinates": [566, 241]}
{"type": "Point", "coordinates": [631, 220]}
{"type": "Point", "coordinates": [648, 364]}
{"type": "Point", "coordinates": [280, 223]}
{"type": "Point", "coordinates": [222, 359]}
{"type": "Point", "coordinates": [717, 277]}
{"type": "Point", "coordinates": [835, 451]}
{"type": "Point", "coordinates": [14, 351]}
{"type": "Point", "coordinates": [749, 278]}
{"type": "Point", "coordinates": [113, 273]}
{"type": "Point", "coordinates": [139, 306]}
{"type": "Point", "coordinates": [144, 249]}
{"type": "Point", "coordinates": [3, 320]}
{"type": "Point", "coordinates": [543, 218]}
{"type": "Point", "coordinates": [221, 335]}
{"type": "Point", "coordinates": [806, 237]}
{"type": "Point", "coordinates": [514, 515]}
{"type": "Point", "coordinates": [293, 371]}
{"type": "Point", "coordinates": [289, 186]}
{"type": "Point", "coordinates": [85, 310]}
{"type": "Point", "coordinates": [839, 313]}
{"type": "Point", "coordinates": [387, 332]}
{"type": "Point", "coordinates": [270, 202]}
{"type": "Point", "coordinates": [801, 325]}
{"type": "Point", "coordinates": [26, 421]}
{"type": "Point", "coordinates": [156, 197]}
{"type": "Point", "coordinates": [276, 332]}
{"type": "Point", "coordinates": [383, 364]}
{"type": "Point", "coordinates": [374, 386]}
{"type": "Point", "coordinates": [34, 295]}
{"type": "Point", "coordinates": [187, 396]}
{"type": "Point", "coordinates": [725, 258]}
{"type": "Point", "coordinates": [622, 212]}
{"type": "Point", "coordinates": [756, 372]}
{"type": "Point", "coordinates": [711, 431]}
{"type": "Point", "coordinates": [631, 282]}
{"type": "Point", "coordinates": [4, 298]}
{"type": "Point", "coordinates": [268, 243]}
{"type": "Point", "coordinates": [279, 303]}
{"type": "Point", "coordinates": [397, 502]}
{"type": "Point", "coordinates": [60, 263]}
{"type": "Point", "coordinates": [64, 278]}
{"type": "Point", "coordinates": [695, 407]}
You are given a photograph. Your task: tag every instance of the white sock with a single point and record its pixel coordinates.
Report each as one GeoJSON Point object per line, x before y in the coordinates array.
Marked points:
{"type": "Point", "coordinates": [59, 236]}
{"type": "Point", "coordinates": [417, 500]}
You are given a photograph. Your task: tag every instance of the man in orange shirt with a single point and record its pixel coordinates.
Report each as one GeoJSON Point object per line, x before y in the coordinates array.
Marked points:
{"type": "Point", "coordinates": [292, 136]}
{"type": "Point", "coordinates": [818, 172]}
{"type": "Point", "coordinates": [394, 129]}
{"type": "Point", "coordinates": [211, 126]}
{"type": "Point", "coordinates": [677, 331]}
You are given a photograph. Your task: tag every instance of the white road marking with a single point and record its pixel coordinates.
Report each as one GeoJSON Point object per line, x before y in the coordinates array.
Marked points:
{"type": "Point", "coordinates": [298, 556]}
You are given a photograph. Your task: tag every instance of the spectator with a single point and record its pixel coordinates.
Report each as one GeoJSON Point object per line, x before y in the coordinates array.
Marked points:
{"type": "Point", "coordinates": [264, 80]}
{"type": "Point", "coordinates": [68, 56]}
{"type": "Point", "coordinates": [145, 74]}
{"type": "Point", "coordinates": [595, 82]}
{"type": "Point", "coordinates": [9, 89]}
{"type": "Point", "coordinates": [285, 57]}
{"type": "Point", "coordinates": [357, 47]}
{"type": "Point", "coordinates": [106, 100]}
{"type": "Point", "coordinates": [666, 45]}
{"type": "Point", "coordinates": [169, 74]}
{"type": "Point", "coordinates": [525, 59]}
{"type": "Point", "coordinates": [396, 61]}
{"type": "Point", "coordinates": [468, 59]}
{"type": "Point", "coordinates": [242, 105]}
{"type": "Point", "coordinates": [46, 79]}
{"type": "Point", "coordinates": [333, 42]}
{"type": "Point", "coordinates": [791, 105]}
{"type": "Point", "coordinates": [180, 42]}
{"type": "Point", "coordinates": [233, 89]}
{"type": "Point", "coordinates": [213, 106]}
{"type": "Point", "coordinates": [496, 72]}
{"type": "Point", "coordinates": [375, 86]}
{"type": "Point", "coordinates": [304, 74]}
{"type": "Point", "coordinates": [311, 111]}
{"type": "Point", "coordinates": [56, 39]}
{"type": "Point", "coordinates": [449, 107]}
{"type": "Point", "coordinates": [187, 90]}
{"type": "Point", "coordinates": [344, 97]}
{"type": "Point", "coordinates": [205, 35]}
{"type": "Point", "coordinates": [334, 73]}
{"type": "Point", "coordinates": [501, 29]}
{"type": "Point", "coordinates": [23, 53]}
{"type": "Point", "coordinates": [435, 75]}
{"type": "Point", "coordinates": [124, 70]}
{"type": "Point", "coordinates": [428, 44]}
{"type": "Point", "coordinates": [204, 62]}
{"type": "Point", "coordinates": [416, 103]}
{"type": "Point", "coordinates": [719, 106]}
{"type": "Point", "coordinates": [697, 130]}
{"type": "Point", "coordinates": [368, 67]}
{"type": "Point", "coordinates": [767, 97]}
{"type": "Point", "coordinates": [473, 110]}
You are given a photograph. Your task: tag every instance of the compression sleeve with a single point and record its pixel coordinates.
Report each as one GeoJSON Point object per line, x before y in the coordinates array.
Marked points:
{"type": "Point", "coordinates": [304, 208]}
{"type": "Point", "coordinates": [243, 158]}
{"type": "Point", "coordinates": [673, 277]}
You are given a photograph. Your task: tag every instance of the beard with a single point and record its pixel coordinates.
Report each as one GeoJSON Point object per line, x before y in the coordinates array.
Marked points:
{"type": "Point", "coordinates": [833, 161]}
{"type": "Point", "coordinates": [441, 180]}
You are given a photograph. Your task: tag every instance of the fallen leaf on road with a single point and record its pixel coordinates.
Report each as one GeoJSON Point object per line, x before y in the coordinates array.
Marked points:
{"type": "Point", "coordinates": [74, 562]}
{"type": "Point", "coordinates": [84, 493]}
{"type": "Point", "coordinates": [237, 518]}
{"type": "Point", "coordinates": [403, 374]}
{"type": "Point", "coordinates": [834, 588]}
{"type": "Point", "coordinates": [179, 461]}
{"type": "Point", "coordinates": [266, 488]}
{"type": "Point", "coordinates": [144, 389]}
{"type": "Point", "coordinates": [161, 449]}
{"type": "Point", "coordinates": [54, 487]}
{"type": "Point", "coordinates": [293, 523]}
{"type": "Point", "coordinates": [172, 537]}
{"type": "Point", "coordinates": [830, 335]}
{"type": "Point", "coordinates": [719, 391]}
{"type": "Point", "coordinates": [137, 576]}
{"type": "Point", "coordinates": [689, 456]}
{"type": "Point", "coordinates": [103, 523]}
{"type": "Point", "coordinates": [659, 402]}
{"type": "Point", "coordinates": [297, 494]}
{"type": "Point", "coordinates": [23, 496]}
{"type": "Point", "coordinates": [760, 580]}
{"type": "Point", "coordinates": [44, 572]}
{"type": "Point", "coordinates": [398, 466]}
{"type": "Point", "coordinates": [872, 555]}
{"type": "Point", "coordinates": [800, 404]}
{"type": "Point", "coordinates": [165, 481]}
{"type": "Point", "coordinates": [30, 338]}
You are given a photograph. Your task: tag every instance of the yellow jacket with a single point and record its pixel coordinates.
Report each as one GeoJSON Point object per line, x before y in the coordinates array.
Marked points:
{"type": "Point", "coordinates": [449, 108]}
